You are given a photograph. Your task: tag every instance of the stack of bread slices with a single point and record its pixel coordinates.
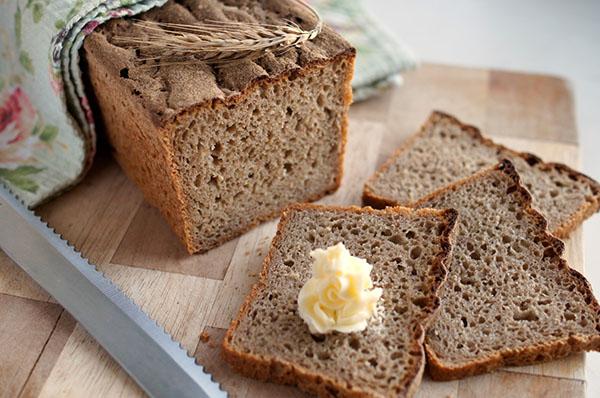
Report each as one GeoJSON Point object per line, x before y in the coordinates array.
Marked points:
{"type": "Point", "coordinates": [467, 253]}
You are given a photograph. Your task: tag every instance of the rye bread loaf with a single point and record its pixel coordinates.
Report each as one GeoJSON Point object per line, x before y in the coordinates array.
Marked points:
{"type": "Point", "coordinates": [220, 148]}
{"type": "Point", "coordinates": [407, 248]}
{"type": "Point", "coordinates": [446, 150]}
{"type": "Point", "coordinates": [510, 299]}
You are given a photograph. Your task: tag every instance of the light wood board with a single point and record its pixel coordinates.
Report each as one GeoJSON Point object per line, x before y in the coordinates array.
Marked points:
{"type": "Point", "coordinates": [44, 352]}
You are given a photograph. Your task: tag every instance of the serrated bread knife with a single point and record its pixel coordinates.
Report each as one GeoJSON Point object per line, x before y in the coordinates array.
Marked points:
{"type": "Point", "coordinates": [145, 351]}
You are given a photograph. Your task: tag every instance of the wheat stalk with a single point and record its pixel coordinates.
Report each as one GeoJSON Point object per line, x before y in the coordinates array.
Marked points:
{"type": "Point", "coordinates": [217, 42]}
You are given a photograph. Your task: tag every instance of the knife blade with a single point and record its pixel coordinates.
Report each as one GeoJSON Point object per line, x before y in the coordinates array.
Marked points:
{"type": "Point", "coordinates": [160, 366]}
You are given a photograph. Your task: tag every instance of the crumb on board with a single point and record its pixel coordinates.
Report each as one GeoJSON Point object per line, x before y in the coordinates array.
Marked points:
{"type": "Point", "coordinates": [204, 337]}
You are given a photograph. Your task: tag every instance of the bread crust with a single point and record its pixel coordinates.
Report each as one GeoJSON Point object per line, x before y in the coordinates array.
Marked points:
{"type": "Point", "coordinates": [280, 371]}
{"type": "Point", "coordinates": [562, 231]}
{"type": "Point", "coordinates": [439, 370]}
{"type": "Point", "coordinates": [174, 208]}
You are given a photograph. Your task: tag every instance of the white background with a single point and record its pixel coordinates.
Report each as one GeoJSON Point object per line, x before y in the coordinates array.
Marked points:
{"type": "Point", "coordinates": [557, 37]}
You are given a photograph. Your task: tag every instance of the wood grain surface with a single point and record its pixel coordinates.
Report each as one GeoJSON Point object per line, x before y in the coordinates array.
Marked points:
{"type": "Point", "coordinates": [44, 352]}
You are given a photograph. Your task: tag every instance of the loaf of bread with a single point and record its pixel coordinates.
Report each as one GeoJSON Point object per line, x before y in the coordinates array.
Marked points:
{"type": "Point", "coordinates": [446, 150]}
{"type": "Point", "coordinates": [510, 299]}
{"type": "Point", "coordinates": [220, 148]}
{"type": "Point", "coordinates": [408, 250]}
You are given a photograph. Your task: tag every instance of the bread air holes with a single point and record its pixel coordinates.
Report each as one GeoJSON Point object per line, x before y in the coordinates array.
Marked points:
{"type": "Point", "coordinates": [527, 315]}
{"type": "Point", "coordinates": [475, 255]}
{"type": "Point", "coordinates": [198, 181]}
{"type": "Point", "coordinates": [415, 252]}
{"type": "Point", "coordinates": [397, 239]}
{"type": "Point", "coordinates": [318, 338]}
{"type": "Point", "coordinates": [464, 322]}
{"type": "Point", "coordinates": [288, 263]}
{"type": "Point", "coordinates": [420, 301]}
{"type": "Point", "coordinates": [569, 316]}
{"type": "Point", "coordinates": [400, 310]}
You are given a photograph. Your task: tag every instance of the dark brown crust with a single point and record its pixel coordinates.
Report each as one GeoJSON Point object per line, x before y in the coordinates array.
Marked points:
{"type": "Point", "coordinates": [280, 371]}
{"type": "Point", "coordinates": [563, 231]}
{"type": "Point", "coordinates": [528, 355]}
{"type": "Point", "coordinates": [178, 218]}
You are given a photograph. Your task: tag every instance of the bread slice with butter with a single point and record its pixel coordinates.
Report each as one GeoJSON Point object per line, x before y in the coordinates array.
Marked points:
{"type": "Point", "coordinates": [446, 150]}
{"type": "Point", "coordinates": [408, 250]}
{"type": "Point", "coordinates": [510, 297]}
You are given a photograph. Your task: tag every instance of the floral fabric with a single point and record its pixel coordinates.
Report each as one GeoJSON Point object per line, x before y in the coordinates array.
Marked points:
{"type": "Point", "coordinates": [47, 136]}
{"type": "Point", "coordinates": [47, 130]}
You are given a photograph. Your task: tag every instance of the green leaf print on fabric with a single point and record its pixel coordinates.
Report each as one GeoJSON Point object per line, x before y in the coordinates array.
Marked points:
{"type": "Point", "coordinates": [59, 24]}
{"type": "Point", "coordinates": [74, 10]}
{"type": "Point", "coordinates": [38, 12]}
{"type": "Point", "coordinates": [36, 130]}
{"type": "Point", "coordinates": [18, 24]}
{"type": "Point", "coordinates": [49, 133]}
{"type": "Point", "coordinates": [20, 177]}
{"type": "Point", "coordinates": [25, 60]}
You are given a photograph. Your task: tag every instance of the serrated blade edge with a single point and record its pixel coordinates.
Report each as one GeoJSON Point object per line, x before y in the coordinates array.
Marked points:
{"type": "Point", "coordinates": [143, 348]}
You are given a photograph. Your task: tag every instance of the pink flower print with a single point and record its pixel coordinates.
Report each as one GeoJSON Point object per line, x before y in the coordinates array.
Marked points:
{"type": "Point", "coordinates": [56, 81]}
{"type": "Point", "coordinates": [90, 26]}
{"type": "Point", "coordinates": [85, 105]}
{"type": "Point", "coordinates": [18, 119]}
{"type": "Point", "coordinates": [120, 12]}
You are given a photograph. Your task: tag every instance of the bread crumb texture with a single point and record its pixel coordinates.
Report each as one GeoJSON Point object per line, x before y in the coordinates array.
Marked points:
{"type": "Point", "coordinates": [407, 249]}
{"type": "Point", "coordinates": [446, 150]}
{"type": "Point", "coordinates": [510, 299]}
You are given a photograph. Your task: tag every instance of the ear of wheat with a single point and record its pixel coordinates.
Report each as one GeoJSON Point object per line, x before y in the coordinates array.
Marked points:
{"type": "Point", "coordinates": [217, 42]}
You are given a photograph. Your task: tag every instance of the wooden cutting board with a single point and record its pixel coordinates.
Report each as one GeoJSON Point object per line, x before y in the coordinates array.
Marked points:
{"type": "Point", "coordinates": [44, 352]}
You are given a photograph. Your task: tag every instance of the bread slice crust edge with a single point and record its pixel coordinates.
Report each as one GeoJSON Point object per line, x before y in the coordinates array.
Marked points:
{"type": "Point", "coordinates": [563, 231]}
{"type": "Point", "coordinates": [439, 370]}
{"type": "Point", "coordinates": [284, 372]}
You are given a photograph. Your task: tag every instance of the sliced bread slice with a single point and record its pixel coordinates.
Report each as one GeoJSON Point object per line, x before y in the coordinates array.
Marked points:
{"type": "Point", "coordinates": [408, 250]}
{"type": "Point", "coordinates": [446, 150]}
{"type": "Point", "coordinates": [510, 299]}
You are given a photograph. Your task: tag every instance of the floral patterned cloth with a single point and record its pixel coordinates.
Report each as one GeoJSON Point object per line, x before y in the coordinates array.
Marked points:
{"type": "Point", "coordinates": [47, 133]}
{"type": "Point", "coordinates": [47, 136]}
